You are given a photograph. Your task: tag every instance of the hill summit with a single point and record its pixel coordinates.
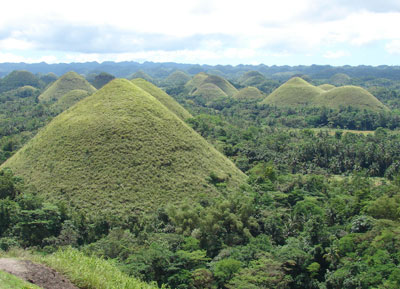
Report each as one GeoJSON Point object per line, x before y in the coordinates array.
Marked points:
{"type": "Point", "coordinates": [298, 92]}
{"type": "Point", "coordinates": [119, 150]}
{"type": "Point", "coordinates": [65, 84]}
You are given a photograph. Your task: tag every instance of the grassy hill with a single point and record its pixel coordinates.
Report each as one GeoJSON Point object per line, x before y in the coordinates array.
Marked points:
{"type": "Point", "coordinates": [19, 78]}
{"type": "Point", "coordinates": [340, 79]}
{"type": "Point", "coordinates": [66, 83]}
{"type": "Point", "coordinates": [298, 92]}
{"type": "Point", "coordinates": [326, 86]}
{"type": "Point", "coordinates": [249, 93]}
{"type": "Point", "coordinates": [163, 97]}
{"type": "Point", "coordinates": [177, 78]}
{"type": "Point", "coordinates": [195, 82]}
{"type": "Point", "coordinates": [141, 74]}
{"type": "Point", "coordinates": [351, 96]}
{"type": "Point", "coordinates": [119, 150]}
{"type": "Point", "coordinates": [251, 78]}
{"type": "Point", "coordinates": [210, 87]}
{"type": "Point", "coordinates": [294, 92]}
{"type": "Point", "coordinates": [69, 99]}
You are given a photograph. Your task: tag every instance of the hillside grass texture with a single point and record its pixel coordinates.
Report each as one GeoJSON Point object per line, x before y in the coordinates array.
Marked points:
{"type": "Point", "coordinates": [298, 92]}
{"type": "Point", "coordinates": [177, 78]}
{"type": "Point", "coordinates": [251, 93]}
{"type": "Point", "coordinates": [69, 99]}
{"type": "Point", "coordinates": [163, 97]}
{"type": "Point", "coordinates": [326, 86]}
{"type": "Point", "coordinates": [9, 281]}
{"type": "Point", "coordinates": [119, 150]}
{"type": "Point", "coordinates": [66, 83]}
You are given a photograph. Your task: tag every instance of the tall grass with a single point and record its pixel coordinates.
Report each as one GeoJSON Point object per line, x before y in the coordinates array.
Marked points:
{"type": "Point", "coordinates": [91, 272]}
{"type": "Point", "coordinates": [8, 281]}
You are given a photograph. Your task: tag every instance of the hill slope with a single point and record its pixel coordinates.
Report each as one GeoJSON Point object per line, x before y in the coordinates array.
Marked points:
{"type": "Point", "coordinates": [326, 86]}
{"type": "Point", "coordinates": [119, 150]}
{"type": "Point", "coordinates": [249, 93]}
{"type": "Point", "coordinates": [177, 78]}
{"type": "Point", "coordinates": [69, 81]}
{"type": "Point", "coordinates": [298, 92]}
{"type": "Point", "coordinates": [163, 97]}
{"type": "Point", "coordinates": [19, 78]}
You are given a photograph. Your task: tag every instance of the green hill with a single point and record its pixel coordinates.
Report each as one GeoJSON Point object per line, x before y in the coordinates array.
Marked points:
{"type": "Point", "coordinates": [141, 74]}
{"type": "Point", "coordinates": [66, 83]}
{"type": "Point", "coordinates": [195, 82]}
{"type": "Point", "coordinates": [163, 97]}
{"type": "Point", "coordinates": [210, 87]}
{"type": "Point", "coordinates": [102, 79]}
{"type": "Point", "coordinates": [251, 78]}
{"type": "Point", "coordinates": [326, 86]}
{"type": "Point", "coordinates": [298, 92]}
{"type": "Point", "coordinates": [19, 78]}
{"type": "Point", "coordinates": [120, 150]}
{"type": "Point", "coordinates": [249, 93]}
{"type": "Point", "coordinates": [177, 78]}
{"type": "Point", "coordinates": [69, 99]}
{"type": "Point", "coordinates": [340, 79]}
{"type": "Point", "coordinates": [351, 96]}
{"type": "Point", "coordinates": [209, 91]}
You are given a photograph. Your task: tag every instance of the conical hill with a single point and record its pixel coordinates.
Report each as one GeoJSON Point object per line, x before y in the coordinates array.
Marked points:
{"type": "Point", "coordinates": [295, 91]}
{"type": "Point", "coordinates": [298, 92]}
{"type": "Point", "coordinates": [249, 93]}
{"type": "Point", "coordinates": [163, 97]}
{"type": "Point", "coordinates": [177, 78]}
{"type": "Point", "coordinates": [119, 150]}
{"type": "Point", "coordinates": [66, 83]}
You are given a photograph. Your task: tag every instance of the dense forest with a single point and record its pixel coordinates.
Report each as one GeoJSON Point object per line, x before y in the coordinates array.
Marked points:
{"type": "Point", "coordinates": [320, 207]}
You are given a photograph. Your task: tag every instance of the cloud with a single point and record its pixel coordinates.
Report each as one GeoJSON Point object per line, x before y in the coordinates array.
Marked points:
{"type": "Point", "coordinates": [393, 47]}
{"type": "Point", "coordinates": [336, 54]}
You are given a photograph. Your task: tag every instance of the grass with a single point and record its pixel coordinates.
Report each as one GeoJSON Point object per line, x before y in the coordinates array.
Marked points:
{"type": "Point", "coordinates": [119, 150]}
{"type": "Point", "coordinates": [66, 83]}
{"type": "Point", "coordinates": [298, 92]}
{"type": "Point", "coordinates": [251, 78]}
{"type": "Point", "coordinates": [177, 78]}
{"type": "Point", "coordinates": [209, 91]}
{"type": "Point", "coordinates": [91, 272]}
{"type": "Point", "coordinates": [210, 86]}
{"type": "Point", "coordinates": [9, 281]}
{"type": "Point", "coordinates": [141, 74]}
{"type": "Point", "coordinates": [84, 271]}
{"type": "Point", "coordinates": [249, 93]}
{"type": "Point", "coordinates": [18, 78]}
{"type": "Point", "coordinates": [163, 97]}
{"type": "Point", "coordinates": [326, 86]}
{"type": "Point", "coordinates": [69, 99]}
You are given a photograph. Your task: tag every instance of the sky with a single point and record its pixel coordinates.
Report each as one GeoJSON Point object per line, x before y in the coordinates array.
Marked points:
{"type": "Point", "coordinates": [279, 32]}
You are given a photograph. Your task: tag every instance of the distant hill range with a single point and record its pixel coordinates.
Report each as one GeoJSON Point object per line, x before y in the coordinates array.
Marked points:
{"type": "Point", "coordinates": [123, 149]}
{"type": "Point", "coordinates": [163, 70]}
{"type": "Point", "coordinates": [298, 92]}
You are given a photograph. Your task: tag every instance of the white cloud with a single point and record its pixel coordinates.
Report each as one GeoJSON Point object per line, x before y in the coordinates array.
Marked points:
{"type": "Point", "coordinates": [336, 54]}
{"type": "Point", "coordinates": [393, 47]}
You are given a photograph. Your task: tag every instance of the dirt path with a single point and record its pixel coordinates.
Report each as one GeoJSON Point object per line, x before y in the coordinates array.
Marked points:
{"type": "Point", "coordinates": [37, 274]}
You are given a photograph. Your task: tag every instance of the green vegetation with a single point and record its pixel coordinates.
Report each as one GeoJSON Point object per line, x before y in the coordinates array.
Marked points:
{"type": "Point", "coordinates": [69, 99]}
{"type": "Point", "coordinates": [162, 97]}
{"type": "Point", "coordinates": [195, 82]}
{"type": "Point", "coordinates": [211, 83]}
{"type": "Point", "coordinates": [249, 93]}
{"type": "Point", "coordinates": [295, 92]}
{"type": "Point", "coordinates": [8, 281]}
{"type": "Point", "coordinates": [102, 79]}
{"type": "Point", "coordinates": [298, 92]}
{"type": "Point", "coordinates": [141, 74]}
{"type": "Point", "coordinates": [63, 85]}
{"type": "Point", "coordinates": [251, 78]}
{"type": "Point", "coordinates": [91, 272]}
{"type": "Point", "coordinates": [326, 86]}
{"type": "Point", "coordinates": [120, 149]}
{"type": "Point", "coordinates": [340, 79]}
{"type": "Point", "coordinates": [19, 78]}
{"type": "Point", "coordinates": [177, 78]}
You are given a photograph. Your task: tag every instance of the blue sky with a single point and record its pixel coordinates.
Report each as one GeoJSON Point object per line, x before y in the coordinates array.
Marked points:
{"type": "Point", "coordinates": [284, 32]}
